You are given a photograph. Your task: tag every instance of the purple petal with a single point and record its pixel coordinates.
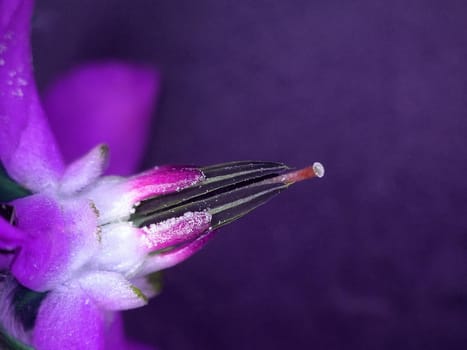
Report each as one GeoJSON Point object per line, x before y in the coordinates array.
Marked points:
{"type": "Point", "coordinates": [69, 319]}
{"type": "Point", "coordinates": [27, 146]}
{"type": "Point", "coordinates": [107, 103]}
{"type": "Point", "coordinates": [60, 239]}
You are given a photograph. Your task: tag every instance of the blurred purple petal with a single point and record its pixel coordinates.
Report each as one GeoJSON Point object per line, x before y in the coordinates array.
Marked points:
{"type": "Point", "coordinates": [69, 319]}
{"type": "Point", "coordinates": [27, 146]}
{"type": "Point", "coordinates": [107, 103]}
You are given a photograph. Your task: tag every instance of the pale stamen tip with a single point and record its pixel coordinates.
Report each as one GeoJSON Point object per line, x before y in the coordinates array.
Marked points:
{"type": "Point", "coordinates": [318, 169]}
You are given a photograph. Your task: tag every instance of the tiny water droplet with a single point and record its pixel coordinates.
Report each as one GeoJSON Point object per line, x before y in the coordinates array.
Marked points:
{"type": "Point", "coordinates": [17, 92]}
{"type": "Point", "coordinates": [22, 82]}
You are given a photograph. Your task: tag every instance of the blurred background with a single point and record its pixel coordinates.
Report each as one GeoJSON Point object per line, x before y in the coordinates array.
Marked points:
{"type": "Point", "coordinates": [373, 256]}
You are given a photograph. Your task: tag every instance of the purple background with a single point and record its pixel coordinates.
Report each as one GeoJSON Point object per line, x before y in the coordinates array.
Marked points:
{"type": "Point", "coordinates": [373, 256]}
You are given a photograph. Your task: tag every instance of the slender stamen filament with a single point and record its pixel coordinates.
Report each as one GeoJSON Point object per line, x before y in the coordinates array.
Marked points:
{"type": "Point", "coordinates": [315, 170]}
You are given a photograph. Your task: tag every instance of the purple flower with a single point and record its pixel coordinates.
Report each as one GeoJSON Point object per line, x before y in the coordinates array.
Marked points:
{"type": "Point", "coordinates": [91, 241]}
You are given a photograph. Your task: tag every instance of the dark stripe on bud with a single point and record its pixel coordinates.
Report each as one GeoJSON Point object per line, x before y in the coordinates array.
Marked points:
{"type": "Point", "coordinates": [228, 192]}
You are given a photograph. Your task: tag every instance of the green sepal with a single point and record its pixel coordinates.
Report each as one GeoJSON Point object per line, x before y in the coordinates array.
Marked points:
{"type": "Point", "coordinates": [10, 189]}
{"type": "Point", "coordinates": [139, 293]}
{"type": "Point", "coordinates": [7, 342]}
{"type": "Point", "coordinates": [156, 281]}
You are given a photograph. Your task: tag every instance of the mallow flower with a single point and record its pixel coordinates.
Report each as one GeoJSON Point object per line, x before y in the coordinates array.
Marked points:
{"type": "Point", "coordinates": [77, 245]}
